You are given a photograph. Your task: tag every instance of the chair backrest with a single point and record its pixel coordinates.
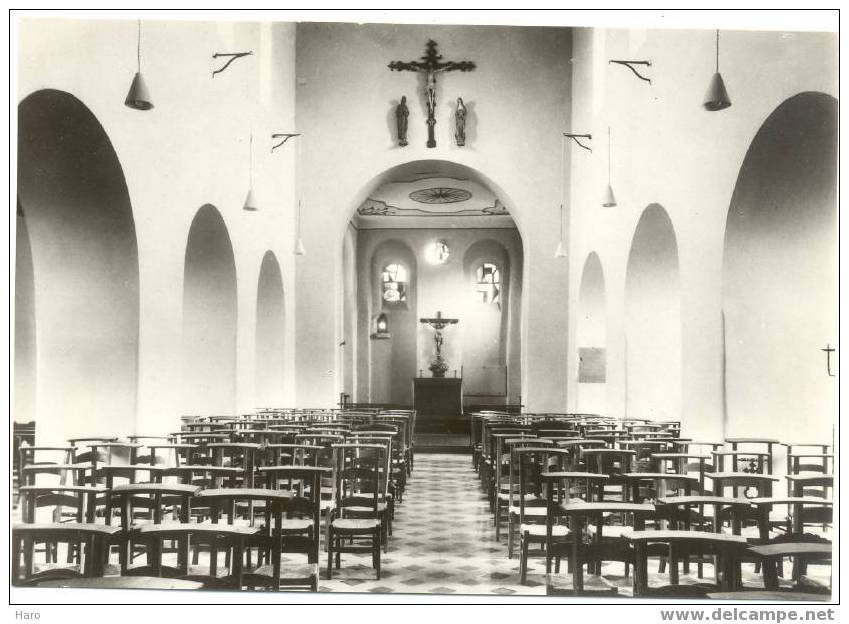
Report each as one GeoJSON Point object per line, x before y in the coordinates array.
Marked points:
{"type": "Point", "coordinates": [357, 476]}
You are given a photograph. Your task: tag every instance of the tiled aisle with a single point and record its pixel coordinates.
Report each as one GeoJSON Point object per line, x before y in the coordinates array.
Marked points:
{"type": "Point", "coordinates": [443, 541]}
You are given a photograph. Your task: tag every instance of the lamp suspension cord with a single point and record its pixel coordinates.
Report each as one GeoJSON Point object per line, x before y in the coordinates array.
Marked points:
{"type": "Point", "coordinates": [608, 155]}
{"type": "Point", "coordinates": [251, 160]}
{"type": "Point", "coordinates": [138, 48]}
{"type": "Point", "coordinates": [717, 50]}
{"type": "Point", "coordinates": [562, 181]}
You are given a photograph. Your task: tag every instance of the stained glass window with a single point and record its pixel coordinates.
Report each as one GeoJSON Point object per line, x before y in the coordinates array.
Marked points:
{"type": "Point", "coordinates": [488, 287]}
{"type": "Point", "coordinates": [394, 280]}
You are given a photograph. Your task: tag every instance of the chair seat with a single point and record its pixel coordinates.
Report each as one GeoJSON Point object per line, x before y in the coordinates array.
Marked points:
{"type": "Point", "coordinates": [538, 530]}
{"type": "Point", "coordinates": [356, 524]}
{"type": "Point", "coordinates": [296, 524]}
{"type": "Point", "coordinates": [610, 530]}
{"type": "Point", "coordinates": [381, 507]}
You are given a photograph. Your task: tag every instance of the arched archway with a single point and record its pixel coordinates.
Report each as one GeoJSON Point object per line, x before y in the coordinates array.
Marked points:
{"type": "Point", "coordinates": [77, 217]}
{"type": "Point", "coordinates": [591, 338]}
{"type": "Point", "coordinates": [270, 334]}
{"type": "Point", "coordinates": [653, 319]}
{"type": "Point", "coordinates": [209, 317]}
{"type": "Point", "coordinates": [779, 274]}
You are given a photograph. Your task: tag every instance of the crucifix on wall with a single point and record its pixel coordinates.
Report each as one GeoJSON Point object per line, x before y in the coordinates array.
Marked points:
{"type": "Point", "coordinates": [438, 366]}
{"type": "Point", "coordinates": [431, 64]}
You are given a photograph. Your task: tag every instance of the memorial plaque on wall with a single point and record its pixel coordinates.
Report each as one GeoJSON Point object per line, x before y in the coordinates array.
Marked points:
{"type": "Point", "coordinates": [592, 365]}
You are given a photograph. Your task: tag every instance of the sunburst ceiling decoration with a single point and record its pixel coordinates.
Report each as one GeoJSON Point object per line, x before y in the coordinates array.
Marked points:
{"type": "Point", "coordinates": [440, 195]}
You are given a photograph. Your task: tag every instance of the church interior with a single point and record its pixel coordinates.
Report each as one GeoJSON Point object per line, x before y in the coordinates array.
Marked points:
{"type": "Point", "coordinates": [425, 309]}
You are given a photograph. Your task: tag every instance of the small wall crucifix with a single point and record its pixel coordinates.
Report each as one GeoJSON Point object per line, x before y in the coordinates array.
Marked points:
{"type": "Point", "coordinates": [431, 64]}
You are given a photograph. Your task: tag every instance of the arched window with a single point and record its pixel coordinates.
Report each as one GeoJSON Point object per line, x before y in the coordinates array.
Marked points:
{"type": "Point", "coordinates": [394, 283]}
{"type": "Point", "coordinates": [488, 286]}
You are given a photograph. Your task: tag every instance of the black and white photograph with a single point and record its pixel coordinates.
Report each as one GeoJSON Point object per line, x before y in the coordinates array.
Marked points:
{"type": "Point", "coordinates": [424, 307]}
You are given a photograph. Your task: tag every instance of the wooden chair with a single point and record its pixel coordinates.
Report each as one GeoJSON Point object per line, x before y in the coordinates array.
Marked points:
{"type": "Point", "coordinates": [358, 488]}
{"type": "Point", "coordinates": [94, 538]}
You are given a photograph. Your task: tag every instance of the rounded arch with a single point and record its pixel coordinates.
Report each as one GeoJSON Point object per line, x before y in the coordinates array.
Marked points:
{"type": "Point", "coordinates": [270, 334]}
{"type": "Point", "coordinates": [653, 319]}
{"type": "Point", "coordinates": [209, 317]}
{"type": "Point", "coordinates": [591, 337]}
{"type": "Point", "coordinates": [779, 273]}
{"type": "Point", "coordinates": [75, 206]}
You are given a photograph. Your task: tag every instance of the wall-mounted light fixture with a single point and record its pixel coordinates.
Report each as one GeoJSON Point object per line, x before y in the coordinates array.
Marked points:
{"type": "Point", "coordinates": [716, 98]}
{"type": "Point", "coordinates": [609, 200]}
{"type": "Point", "coordinates": [381, 328]}
{"type": "Point", "coordinates": [250, 200]}
{"type": "Point", "coordinates": [138, 96]}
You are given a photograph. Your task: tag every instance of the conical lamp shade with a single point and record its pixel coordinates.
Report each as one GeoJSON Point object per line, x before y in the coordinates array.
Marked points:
{"type": "Point", "coordinates": [716, 97]}
{"type": "Point", "coordinates": [560, 252]}
{"type": "Point", "coordinates": [250, 201]}
{"type": "Point", "coordinates": [299, 247]}
{"type": "Point", "coordinates": [609, 200]}
{"type": "Point", "coordinates": [138, 96]}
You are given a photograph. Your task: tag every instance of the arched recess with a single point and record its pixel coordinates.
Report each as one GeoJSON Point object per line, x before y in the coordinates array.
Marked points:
{"type": "Point", "coordinates": [779, 292]}
{"type": "Point", "coordinates": [349, 313]}
{"type": "Point", "coordinates": [392, 363]}
{"type": "Point", "coordinates": [653, 320]}
{"type": "Point", "coordinates": [209, 317]}
{"type": "Point", "coordinates": [488, 333]}
{"type": "Point", "coordinates": [270, 334]}
{"type": "Point", "coordinates": [591, 338]}
{"type": "Point", "coordinates": [76, 213]}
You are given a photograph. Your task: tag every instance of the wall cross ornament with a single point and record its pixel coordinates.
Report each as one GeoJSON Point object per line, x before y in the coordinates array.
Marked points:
{"type": "Point", "coordinates": [828, 351]}
{"type": "Point", "coordinates": [430, 65]}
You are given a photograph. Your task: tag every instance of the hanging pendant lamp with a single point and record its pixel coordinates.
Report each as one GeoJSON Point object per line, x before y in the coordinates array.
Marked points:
{"type": "Point", "coordinates": [560, 252]}
{"type": "Point", "coordinates": [250, 200]}
{"type": "Point", "coordinates": [716, 98]}
{"type": "Point", "coordinates": [609, 199]}
{"type": "Point", "coordinates": [138, 96]}
{"type": "Point", "coordinates": [299, 244]}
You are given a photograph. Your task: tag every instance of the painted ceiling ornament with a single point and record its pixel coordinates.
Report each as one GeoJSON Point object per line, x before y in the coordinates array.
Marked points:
{"type": "Point", "coordinates": [440, 195]}
{"type": "Point", "coordinates": [496, 209]}
{"type": "Point", "coordinates": [376, 208]}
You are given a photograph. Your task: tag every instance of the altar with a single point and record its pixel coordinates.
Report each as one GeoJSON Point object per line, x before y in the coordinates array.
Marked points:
{"type": "Point", "coordinates": [439, 404]}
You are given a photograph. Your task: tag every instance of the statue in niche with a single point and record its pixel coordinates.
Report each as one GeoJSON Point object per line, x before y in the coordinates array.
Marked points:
{"type": "Point", "coordinates": [401, 115]}
{"type": "Point", "coordinates": [460, 120]}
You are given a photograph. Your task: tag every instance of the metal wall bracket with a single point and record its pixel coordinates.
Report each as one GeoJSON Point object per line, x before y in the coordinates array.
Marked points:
{"type": "Point", "coordinates": [285, 136]}
{"type": "Point", "coordinates": [232, 57]}
{"type": "Point", "coordinates": [575, 138]}
{"type": "Point", "coordinates": [630, 65]}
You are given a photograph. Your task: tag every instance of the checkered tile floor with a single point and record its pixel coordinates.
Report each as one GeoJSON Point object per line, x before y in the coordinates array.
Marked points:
{"type": "Point", "coordinates": [443, 541]}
